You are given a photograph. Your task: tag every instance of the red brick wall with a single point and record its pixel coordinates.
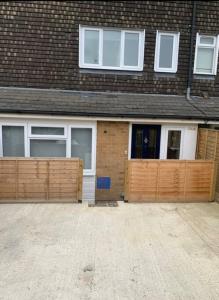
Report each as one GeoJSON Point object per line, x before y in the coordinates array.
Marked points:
{"type": "Point", "coordinates": [112, 153]}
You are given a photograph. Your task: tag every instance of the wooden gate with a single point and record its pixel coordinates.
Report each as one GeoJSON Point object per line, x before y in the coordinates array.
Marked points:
{"type": "Point", "coordinates": [40, 180]}
{"type": "Point", "coordinates": [169, 181]}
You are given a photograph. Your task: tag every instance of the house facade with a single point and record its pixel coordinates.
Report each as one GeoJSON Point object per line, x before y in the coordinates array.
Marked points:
{"type": "Point", "coordinates": [107, 82]}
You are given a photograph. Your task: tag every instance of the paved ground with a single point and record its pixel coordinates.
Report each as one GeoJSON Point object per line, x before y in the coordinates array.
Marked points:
{"type": "Point", "coordinates": [134, 251]}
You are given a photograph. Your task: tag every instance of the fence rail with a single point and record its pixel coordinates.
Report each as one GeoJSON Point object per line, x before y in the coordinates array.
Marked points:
{"type": "Point", "coordinates": [40, 180]}
{"type": "Point", "coordinates": [169, 181]}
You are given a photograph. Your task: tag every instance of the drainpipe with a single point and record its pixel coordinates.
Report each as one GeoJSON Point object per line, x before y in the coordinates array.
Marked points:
{"type": "Point", "coordinates": [189, 84]}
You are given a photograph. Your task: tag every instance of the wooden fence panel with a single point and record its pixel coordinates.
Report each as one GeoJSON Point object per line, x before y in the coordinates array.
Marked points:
{"type": "Point", "coordinates": [208, 148]}
{"type": "Point", "coordinates": [169, 181]}
{"type": "Point", "coordinates": [40, 180]}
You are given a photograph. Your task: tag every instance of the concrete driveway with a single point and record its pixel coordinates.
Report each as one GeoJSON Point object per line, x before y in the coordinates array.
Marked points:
{"type": "Point", "coordinates": [134, 251]}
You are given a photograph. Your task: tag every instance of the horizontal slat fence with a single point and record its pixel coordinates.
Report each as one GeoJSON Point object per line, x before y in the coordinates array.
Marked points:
{"type": "Point", "coordinates": [169, 181]}
{"type": "Point", "coordinates": [208, 148]}
{"type": "Point", "coordinates": [40, 180]}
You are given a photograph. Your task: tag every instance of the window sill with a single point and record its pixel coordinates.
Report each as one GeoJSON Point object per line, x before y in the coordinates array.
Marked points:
{"type": "Point", "coordinates": [110, 72]}
{"type": "Point", "coordinates": [89, 173]}
{"type": "Point", "coordinates": [204, 77]}
{"type": "Point", "coordinates": [158, 75]}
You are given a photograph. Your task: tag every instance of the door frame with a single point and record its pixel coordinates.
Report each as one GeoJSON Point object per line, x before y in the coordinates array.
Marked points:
{"type": "Point", "coordinates": [130, 136]}
{"type": "Point", "coordinates": [164, 140]}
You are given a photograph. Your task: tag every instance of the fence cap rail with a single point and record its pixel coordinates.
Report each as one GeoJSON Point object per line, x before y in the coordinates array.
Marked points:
{"type": "Point", "coordinates": [171, 160]}
{"type": "Point", "coordinates": [41, 158]}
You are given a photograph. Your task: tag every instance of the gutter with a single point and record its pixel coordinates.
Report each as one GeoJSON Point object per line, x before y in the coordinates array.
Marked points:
{"type": "Point", "coordinates": [101, 114]}
{"type": "Point", "coordinates": [190, 69]}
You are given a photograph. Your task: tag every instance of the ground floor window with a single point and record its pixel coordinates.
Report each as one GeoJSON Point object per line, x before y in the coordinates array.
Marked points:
{"type": "Point", "coordinates": [13, 140]}
{"type": "Point", "coordinates": [47, 148]}
{"type": "Point", "coordinates": [36, 140]}
{"type": "Point", "coordinates": [81, 145]}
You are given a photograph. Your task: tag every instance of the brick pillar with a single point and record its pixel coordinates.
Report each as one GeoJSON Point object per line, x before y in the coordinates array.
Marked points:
{"type": "Point", "coordinates": [112, 153]}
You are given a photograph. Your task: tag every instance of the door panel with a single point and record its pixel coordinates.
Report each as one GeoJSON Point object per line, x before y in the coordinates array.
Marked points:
{"type": "Point", "coordinates": [145, 141]}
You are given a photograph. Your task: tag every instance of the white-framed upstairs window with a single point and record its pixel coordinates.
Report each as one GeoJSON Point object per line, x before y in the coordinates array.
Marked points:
{"type": "Point", "coordinates": [206, 54]}
{"type": "Point", "coordinates": [110, 48]}
{"type": "Point", "coordinates": [166, 52]}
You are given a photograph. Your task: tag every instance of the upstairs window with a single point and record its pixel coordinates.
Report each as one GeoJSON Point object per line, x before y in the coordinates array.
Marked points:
{"type": "Point", "coordinates": [206, 55]}
{"type": "Point", "coordinates": [111, 49]}
{"type": "Point", "coordinates": [166, 52]}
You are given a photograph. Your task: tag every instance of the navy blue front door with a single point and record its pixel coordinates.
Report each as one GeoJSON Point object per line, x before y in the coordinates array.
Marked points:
{"type": "Point", "coordinates": [145, 141]}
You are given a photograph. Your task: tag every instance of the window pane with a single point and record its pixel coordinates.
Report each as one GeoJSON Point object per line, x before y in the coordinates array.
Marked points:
{"type": "Point", "coordinates": [207, 40]}
{"type": "Point", "coordinates": [166, 51]}
{"type": "Point", "coordinates": [131, 49]}
{"type": "Point", "coordinates": [81, 145]}
{"type": "Point", "coordinates": [152, 143]}
{"type": "Point", "coordinates": [91, 47]}
{"type": "Point", "coordinates": [47, 130]}
{"type": "Point", "coordinates": [139, 143]}
{"type": "Point", "coordinates": [173, 145]}
{"type": "Point", "coordinates": [111, 48]}
{"type": "Point", "coordinates": [205, 60]}
{"type": "Point", "coordinates": [47, 148]}
{"type": "Point", "coordinates": [13, 140]}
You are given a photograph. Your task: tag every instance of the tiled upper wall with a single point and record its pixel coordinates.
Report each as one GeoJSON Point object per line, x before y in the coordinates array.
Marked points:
{"type": "Point", "coordinates": [39, 44]}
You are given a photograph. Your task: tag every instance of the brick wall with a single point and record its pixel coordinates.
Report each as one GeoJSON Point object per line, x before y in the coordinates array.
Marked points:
{"type": "Point", "coordinates": [39, 43]}
{"type": "Point", "coordinates": [112, 152]}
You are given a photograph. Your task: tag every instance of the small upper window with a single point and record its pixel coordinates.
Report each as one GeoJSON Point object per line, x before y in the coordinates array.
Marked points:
{"type": "Point", "coordinates": [47, 130]}
{"type": "Point", "coordinates": [206, 55]}
{"type": "Point", "coordinates": [166, 52]}
{"type": "Point", "coordinates": [111, 49]}
{"type": "Point", "coordinates": [52, 131]}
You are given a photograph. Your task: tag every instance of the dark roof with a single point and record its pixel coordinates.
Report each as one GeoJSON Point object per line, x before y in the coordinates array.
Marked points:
{"type": "Point", "coordinates": [61, 102]}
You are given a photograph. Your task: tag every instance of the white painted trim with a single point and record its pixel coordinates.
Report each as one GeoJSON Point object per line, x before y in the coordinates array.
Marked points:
{"type": "Point", "coordinates": [174, 67]}
{"type": "Point", "coordinates": [93, 119]}
{"type": "Point", "coordinates": [130, 141]}
{"type": "Point", "coordinates": [82, 64]}
{"type": "Point", "coordinates": [214, 46]}
{"type": "Point", "coordinates": [164, 140]}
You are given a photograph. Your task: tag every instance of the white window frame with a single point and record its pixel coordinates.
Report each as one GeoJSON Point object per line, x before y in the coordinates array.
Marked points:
{"type": "Point", "coordinates": [173, 69]}
{"type": "Point", "coordinates": [214, 46]}
{"type": "Point", "coordinates": [93, 146]}
{"type": "Point", "coordinates": [48, 136]}
{"type": "Point", "coordinates": [15, 124]}
{"type": "Point", "coordinates": [164, 140]}
{"type": "Point", "coordinates": [122, 48]}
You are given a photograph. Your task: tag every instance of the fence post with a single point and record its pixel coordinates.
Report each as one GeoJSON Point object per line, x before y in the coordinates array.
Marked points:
{"type": "Point", "coordinates": [80, 180]}
{"type": "Point", "coordinates": [16, 180]}
{"type": "Point", "coordinates": [126, 189]}
{"type": "Point", "coordinates": [213, 181]}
